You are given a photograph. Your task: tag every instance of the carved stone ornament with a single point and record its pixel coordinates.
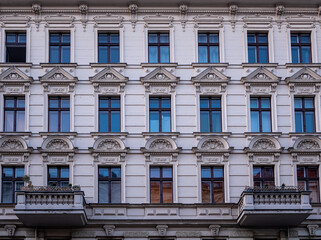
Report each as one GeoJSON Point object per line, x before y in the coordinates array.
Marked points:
{"type": "Point", "coordinates": [108, 144]}
{"type": "Point", "coordinates": [109, 229]}
{"type": "Point", "coordinates": [36, 8]}
{"type": "Point", "coordinates": [215, 229]}
{"type": "Point", "coordinates": [11, 229]}
{"type": "Point", "coordinates": [57, 144]}
{"type": "Point", "coordinates": [83, 8]}
{"type": "Point", "coordinates": [261, 75]}
{"type": "Point", "coordinates": [133, 8]}
{"type": "Point", "coordinates": [279, 9]}
{"type": "Point", "coordinates": [161, 144]}
{"type": "Point", "coordinates": [308, 144]}
{"type": "Point", "coordinates": [57, 149]}
{"type": "Point", "coordinates": [162, 230]}
{"type": "Point", "coordinates": [263, 144]}
{"type": "Point", "coordinates": [13, 76]}
{"type": "Point", "coordinates": [233, 9]}
{"type": "Point", "coordinates": [306, 150]}
{"type": "Point", "coordinates": [312, 229]}
{"type": "Point", "coordinates": [14, 149]}
{"type": "Point", "coordinates": [11, 144]}
{"type": "Point", "coordinates": [212, 144]}
{"type": "Point", "coordinates": [305, 77]}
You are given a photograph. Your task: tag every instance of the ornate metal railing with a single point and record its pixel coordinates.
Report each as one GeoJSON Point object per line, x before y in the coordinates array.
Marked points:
{"type": "Point", "coordinates": [274, 189]}
{"type": "Point", "coordinates": [49, 189]}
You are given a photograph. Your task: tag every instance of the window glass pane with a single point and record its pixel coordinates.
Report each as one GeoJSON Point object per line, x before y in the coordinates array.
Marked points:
{"type": "Point", "coordinates": [295, 54]}
{"type": "Point", "coordinates": [64, 172]}
{"type": "Point", "coordinates": [305, 38]}
{"type": "Point", "coordinates": [155, 172]}
{"type": "Point", "coordinates": [298, 102]}
{"type": "Point", "coordinates": [65, 54]}
{"type": "Point", "coordinates": [166, 121]}
{"type": "Point", "coordinates": [294, 38]}
{"type": "Point", "coordinates": [163, 38]}
{"type": "Point", "coordinates": [114, 54]}
{"type": "Point", "coordinates": [167, 172]}
{"type": "Point", "coordinates": [115, 192]}
{"type": "Point", "coordinates": [53, 172]}
{"type": "Point", "coordinates": [266, 122]}
{"type": "Point", "coordinates": [22, 38]}
{"type": "Point", "coordinates": [164, 54]}
{"type": "Point", "coordinates": [309, 121]}
{"type": "Point", "coordinates": [115, 103]}
{"type": "Point", "coordinates": [202, 38]}
{"type": "Point", "coordinates": [262, 38]}
{"type": "Point", "coordinates": [7, 172]}
{"type": "Point", "coordinates": [204, 102]}
{"type": "Point", "coordinates": [265, 102]}
{"type": "Point", "coordinates": [314, 188]}
{"type": "Point", "coordinates": [312, 172]}
{"type": "Point", "coordinates": [308, 103]}
{"type": "Point", "coordinates": [53, 121]}
{"type": "Point", "coordinates": [54, 37]}
{"type": "Point", "coordinates": [65, 121]}
{"type": "Point", "coordinates": [216, 121]}
{"type": "Point", "coordinates": [115, 121]}
{"type": "Point", "coordinates": [263, 54]}
{"type": "Point", "coordinates": [152, 54]}
{"type": "Point", "coordinates": [18, 186]}
{"type": "Point", "coordinates": [306, 51]}
{"type": "Point", "coordinates": [166, 103]}
{"type": "Point", "coordinates": [64, 183]}
{"type": "Point", "coordinates": [7, 192]}
{"type": "Point", "coordinates": [103, 102]}
{"type": "Point", "coordinates": [202, 54]}
{"type": "Point", "coordinates": [20, 124]}
{"type": "Point", "coordinates": [103, 121]}
{"type": "Point", "coordinates": [20, 172]}
{"type": "Point", "coordinates": [152, 38]}
{"type": "Point", "coordinates": [206, 192]}
{"type": "Point", "coordinates": [9, 121]}
{"type": "Point", "coordinates": [102, 38]}
{"type": "Point", "coordinates": [9, 102]}
{"type": "Point", "coordinates": [256, 172]}
{"type": "Point", "coordinates": [114, 38]}
{"type": "Point", "coordinates": [154, 192]}
{"type": "Point", "coordinates": [218, 172]}
{"type": "Point", "coordinates": [153, 103]}
{"type": "Point", "coordinates": [252, 54]}
{"type": "Point", "coordinates": [53, 102]}
{"type": "Point", "coordinates": [65, 38]}
{"type": "Point", "coordinates": [103, 192]}
{"type": "Point", "coordinates": [154, 121]}
{"type": "Point", "coordinates": [115, 172]}
{"type": "Point", "coordinates": [302, 185]}
{"type": "Point", "coordinates": [11, 38]}
{"type": "Point", "coordinates": [205, 121]}
{"type": "Point", "coordinates": [251, 38]}
{"type": "Point", "coordinates": [214, 58]}
{"type": "Point", "coordinates": [206, 172]}
{"type": "Point", "coordinates": [267, 172]}
{"type": "Point", "coordinates": [167, 192]}
{"type": "Point", "coordinates": [300, 172]}
{"type": "Point", "coordinates": [255, 125]}
{"type": "Point", "coordinates": [54, 54]}
{"type": "Point", "coordinates": [269, 183]}
{"type": "Point", "coordinates": [218, 192]}
{"type": "Point", "coordinates": [213, 38]}
{"type": "Point", "coordinates": [299, 122]}
{"type": "Point", "coordinates": [103, 172]}
{"type": "Point", "coordinates": [20, 102]}
{"type": "Point", "coordinates": [216, 103]}
{"type": "Point", "coordinates": [102, 54]}
{"type": "Point", "coordinates": [65, 102]}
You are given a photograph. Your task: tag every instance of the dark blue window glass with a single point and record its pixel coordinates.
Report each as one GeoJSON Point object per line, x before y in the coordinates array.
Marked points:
{"type": "Point", "coordinates": [160, 114]}
{"type": "Point", "coordinates": [109, 187]}
{"type": "Point", "coordinates": [301, 47]}
{"type": "Point", "coordinates": [14, 114]}
{"type": "Point", "coordinates": [158, 48]}
{"type": "Point", "coordinates": [11, 182]}
{"type": "Point", "coordinates": [208, 48]}
{"type": "Point", "coordinates": [108, 47]}
{"type": "Point", "coordinates": [260, 114]}
{"type": "Point", "coordinates": [210, 112]}
{"type": "Point", "coordinates": [304, 114]}
{"type": "Point", "coordinates": [257, 48]}
{"type": "Point", "coordinates": [16, 47]}
{"type": "Point", "coordinates": [59, 48]}
{"type": "Point", "coordinates": [59, 114]}
{"type": "Point", "coordinates": [58, 176]}
{"type": "Point", "coordinates": [109, 114]}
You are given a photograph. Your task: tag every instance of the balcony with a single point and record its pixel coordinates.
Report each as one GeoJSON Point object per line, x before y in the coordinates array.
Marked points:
{"type": "Point", "coordinates": [51, 206]}
{"type": "Point", "coordinates": [273, 206]}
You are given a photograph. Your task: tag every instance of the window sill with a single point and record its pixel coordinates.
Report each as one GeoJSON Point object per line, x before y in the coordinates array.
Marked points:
{"type": "Point", "coordinates": [210, 65]}
{"type": "Point", "coordinates": [8, 64]}
{"type": "Point", "coordinates": [295, 134]}
{"type": "Point", "coordinates": [275, 134]}
{"type": "Point", "coordinates": [109, 134]}
{"type": "Point", "coordinates": [223, 134]}
{"type": "Point", "coordinates": [104, 65]}
{"type": "Point", "coordinates": [15, 133]}
{"type": "Point", "coordinates": [58, 64]}
{"type": "Point", "coordinates": [290, 65]}
{"type": "Point", "coordinates": [58, 133]}
{"type": "Point", "coordinates": [159, 65]}
{"type": "Point", "coordinates": [260, 65]}
{"type": "Point", "coordinates": [176, 134]}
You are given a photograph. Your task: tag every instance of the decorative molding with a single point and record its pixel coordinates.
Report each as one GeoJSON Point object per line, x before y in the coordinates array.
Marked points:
{"type": "Point", "coordinates": [306, 149]}
{"type": "Point", "coordinates": [162, 230]}
{"type": "Point", "coordinates": [158, 20]}
{"type": "Point", "coordinates": [108, 19]}
{"type": "Point", "coordinates": [109, 229]}
{"type": "Point", "coordinates": [300, 22]}
{"type": "Point", "coordinates": [312, 229]}
{"type": "Point", "coordinates": [59, 19]}
{"type": "Point", "coordinates": [208, 19]}
{"type": "Point", "coordinates": [14, 19]}
{"type": "Point", "coordinates": [215, 229]}
{"type": "Point", "coordinates": [14, 149]}
{"type": "Point", "coordinates": [36, 8]}
{"type": "Point", "coordinates": [11, 229]}
{"type": "Point", "coordinates": [304, 81]}
{"type": "Point", "coordinates": [257, 22]}
{"type": "Point", "coordinates": [13, 80]}
{"type": "Point", "coordinates": [183, 8]}
{"type": "Point", "coordinates": [83, 8]}
{"type": "Point", "coordinates": [133, 8]}
{"type": "Point", "coordinates": [233, 8]}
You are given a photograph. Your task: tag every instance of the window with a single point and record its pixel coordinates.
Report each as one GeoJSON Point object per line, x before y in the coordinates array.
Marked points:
{"type": "Point", "coordinates": [212, 185]}
{"type": "Point", "coordinates": [304, 114]}
{"type": "Point", "coordinates": [301, 47]}
{"type": "Point", "coordinates": [161, 185]}
{"type": "Point", "coordinates": [109, 179]}
{"type": "Point", "coordinates": [263, 176]}
{"type": "Point", "coordinates": [15, 47]}
{"type": "Point", "coordinates": [11, 182]}
{"type": "Point", "coordinates": [208, 48]}
{"type": "Point", "coordinates": [59, 48]}
{"type": "Point", "coordinates": [158, 48]}
{"type": "Point", "coordinates": [258, 47]}
{"type": "Point", "coordinates": [109, 114]}
{"type": "Point", "coordinates": [260, 114]}
{"type": "Point", "coordinates": [108, 47]}
{"type": "Point", "coordinates": [160, 114]}
{"type": "Point", "coordinates": [59, 111]}
{"type": "Point", "coordinates": [14, 114]}
{"type": "Point", "coordinates": [58, 176]}
{"type": "Point", "coordinates": [210, 114]}
{"type": "Point", "coordinates": [308, 179]}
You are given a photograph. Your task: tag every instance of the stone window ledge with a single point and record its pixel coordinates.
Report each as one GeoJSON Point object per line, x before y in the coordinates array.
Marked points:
{"type": "Point", "coordinates": [260, 65]}
{"type": "Point", "coordinates": [104, 65]}
{"type": "Point", "coordinates": [275, 134]}
{"type": "Point", "coordinates": [151, 65]}
{"type": "Point", "coordinates": [210, 65]}
{"type": "Point", "coordinates": [15, 133]}
{"type": "Point", "coordinates": [176, 134]}
{"type": "Point", "coordinates": [58, 133]}
{"type": "Point", "coordinates": [58, 65]}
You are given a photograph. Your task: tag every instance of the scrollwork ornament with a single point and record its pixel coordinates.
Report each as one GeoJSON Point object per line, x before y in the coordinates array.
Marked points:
{"type": "Point", "coordinates": [161, 144]}
{"type": "Point", "coordinates": [308, 144]}
{"type": "Point", "coordinates": [212, 144]}
{"type": "Point", "coordinates": [12, 144]}
{"type": "Point", "coordinates": [108, 144]}
{"type": "Point", "coordinates": [57, 144]}
{"type": "Point", "coordinates": [264, 144]}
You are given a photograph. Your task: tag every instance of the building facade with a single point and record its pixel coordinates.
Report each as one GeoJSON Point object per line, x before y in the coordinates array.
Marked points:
{"type": "Point", "coordinates": [161, 120]}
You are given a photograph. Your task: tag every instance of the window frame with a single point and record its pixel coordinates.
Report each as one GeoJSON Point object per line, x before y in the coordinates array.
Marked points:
{"type": "Point", "coordinates": [109, 110]}
{"type": "Point", "coordinates": [108, 45]}
{"type": "Point", "coordinates": [59, 109]}
{"type": "Point", "coordinates": [60, 44]}
{"type": "Point", "coordinates": [210, 109]}
{"type": "Point", "coordinates": [13, 180]}
{"type": "Point", "coordinates": [306, 179]}
{"type": "Point", "coordinates": [15, 109]}
{"type": "Point", "coordinates": [260, 110]}
{"type": "Point", "coordinates": [212, 179]}
{"type": "Point", "coordinates": [262, 180]}
{"type": "Point", "coordinates": [161, 179]}
{"type": "Point", "coordinates": [158, 45]}
{"type": "Point", "coordinates": [208, 44]}
{"type": "Point", "coordinates": [110, 179]}
{"type": "Point", "coordinates": [59, 179]}
{"type": "Point", "coordinates": [300, 45]}
{"type": "Point", "coordinates": [17, 44]}
{"type": "Point", "coordinates": [257, 45]}
{"type": "Point", "coordinates": [303, 110]}
{"type": "Point", "coordinates": [160, 110]}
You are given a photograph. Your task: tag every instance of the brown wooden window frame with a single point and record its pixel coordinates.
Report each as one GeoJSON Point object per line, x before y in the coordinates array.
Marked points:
{"type": "Point", "coordinates": [259, 109]}
{"type": "Point", "coordinates": [109, 110]}
{"type": "Point", "coordinates": [110, 179]}
{"type": "Point", "coordinates": [160, 110]}
{"type": "Point", "coordinates": [306, 179]}
{"type": "Point", "coordinates": [257, 45]}
{"type": "Point", "coordinates": [213, 180]}
{"type": "Point", "coordinates": [304, 110]}
{"type": "Point", "coordinates": [14, 109]}
{"type": "Point", "coordinates": [16, 44]}
{"type": "Point", "coordinates": [60, 44]}
{"type": "Point", "coordinates": [12, 179]}
{"type": "Point", "coordinates": [300, 45]}
{"type": "Point", "coordinates": [158, 45]}
{"type": "Point", "coordinates": [210, 110]}
{"type": "Point", "coordinates": [161, 179]}
{"type": "Point", "coordinates": [58, 179]}
{"type": "Point", "coordinates": [263, 180]}
{"type": "Point", "coordinates": [59, 109]}
{"type": "Point", "coordinates": [209, 44]}
{"type": "Point", "coordinates": [108, 45]}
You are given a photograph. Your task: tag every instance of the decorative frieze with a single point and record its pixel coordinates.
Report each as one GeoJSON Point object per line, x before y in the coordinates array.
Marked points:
{"type": "Point", "coordinates": [14, 149]}
{"type": "Point", "coordinates": [13, 81]}
{"type": "Point", "coordinates": [306, 149]}
{"type": "Point", "coordinates": [304, 81]}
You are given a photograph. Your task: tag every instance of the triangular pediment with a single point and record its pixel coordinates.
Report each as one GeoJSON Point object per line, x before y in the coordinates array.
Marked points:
{"type": "Point", "coordinates": [14, 75]}
{"type": "Point", "coordinates": [261, 75]}
{"type": "Point", "coordinates": [57, 75]}
{"type": "Point", "coordinates": [305, 75]}
{"type": "Point", "coordinates": [210, 75]}
{"type": "Point", "coordinates": [109, 75]}
{"type": "Point", "coordinates": [160, 75]}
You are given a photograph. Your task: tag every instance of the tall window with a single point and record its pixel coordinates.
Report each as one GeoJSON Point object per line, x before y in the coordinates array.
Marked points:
{"type": "Point", "coordinates": [260, 114]}
{"type": "Point", "coordinates": [258, 47]}
{"type": "Point", "coordinates": [108, 47]}
{"type": "Point", "coordinates": [109, 179]}
{"type": "Point", "coordinates": [14, 114]}
{"type": "Point", "coordinates": [59, 114]}
{"type": "Point", "coordinates": [160, 114]}
{"type": "Point", "coordinates": [59, 48]}
{"type": "Point", "coordinates": [208, 48]}
{"type": "Point", "coordinates": [212, 185]}
{"type": "Point", "coordinates": [308, 179]}
{"type": "Point", "coordinates": [161, 185]}
{"type": "Point", "coordinates": [58, 176]}
{"type": "Point", "coordinates": [158, 47]}
{"type": "Point", "coordinates": [15, 47]}
{"type": "Point", "coordinates": [304, 114]}
{"type": "Point", "coordinates": [263, 176]}
{"type": "Point", "coordinates": [11, 182]}
{"type": "Point", "coordinates": [301, 47]}
{"type": "Point", "coordinates": [109, 114]}
{"type": "Point", "coordinates": [211, 114]}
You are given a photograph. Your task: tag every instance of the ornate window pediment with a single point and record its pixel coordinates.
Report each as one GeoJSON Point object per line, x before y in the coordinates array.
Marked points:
{"type": "Point", "coordinates": [210, 80]}
{"type": "Point", "coordinates": [161, 150]}
{"type": "Point", "coordinates": [161, 80]}
{"type": "Point", "coordinates": [59, 19]}
{"type": "Point", "coordinates": [109, 150]}
{"type": "Point", "coordinates": [108, 19]}
{"type": "Point", "coordinates": [159, 19]}
{"type": "Point", "coordinates": [304, 81]}
{"type": "Point", "coordinates": [306, 150]}
{"type": "Point", "coordinates": [58, 80]}
{"type": "Point", "coordinates": [261, 77]}
{"type": "Point", "coordinates": [208, 19]}
{"type": "Point", "coordinates": [212, 149]}
{"type": "Point", "coordinates": [264, 149]}
{"type": "Point", "coordinates": [14, 149]}
{"type": "Point", "coordinates": [57, 149]}
{"type": "Point", "coordinates": [109, 77]}
{"type": "Point", "coordinates": [13, 80]}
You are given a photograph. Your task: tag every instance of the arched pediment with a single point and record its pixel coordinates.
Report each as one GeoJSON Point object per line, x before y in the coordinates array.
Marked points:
{"type": "Point", "coordinates": [12, 143]}
{"type": "Point", "coordinates": [307, 144]}
{"type": "Point", "coordinates": [306, 149]}
{"type": "Point", "coordinates": [53, 144]}
{"type": "Point", "coordinates": [160, 143]}
{"type": "Point", "coordinates": [264, 143]}
{"type": "Point", "coordinates": [213, 143]}
{"type": "Point", "coordinates": [108, 144]}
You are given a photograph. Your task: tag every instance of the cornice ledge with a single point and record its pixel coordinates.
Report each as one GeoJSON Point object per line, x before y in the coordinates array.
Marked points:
{"type": "Point", "coordinates": [15, 133]}
{"type": "Point", "coordinates": [205, 65]}
{"type": "Point", "coordinates": [176, 134]}
{"type": "Point", "coordinates": [59, 65]}
{"type": "Point", "coordinates": [256, 65]}
{"type": "Point", "coordinates": [104, 65]}
{"type": "Point", "coordinates": [58, 133]}
{"type": "Point", "coordinates": [274, 134]}
{"type": "Point", "coordinates": [296, 134]}
{"type": "Point", "coordinates": [152, 65]}
{"type": "Point", "coordinates": [109, 134]}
